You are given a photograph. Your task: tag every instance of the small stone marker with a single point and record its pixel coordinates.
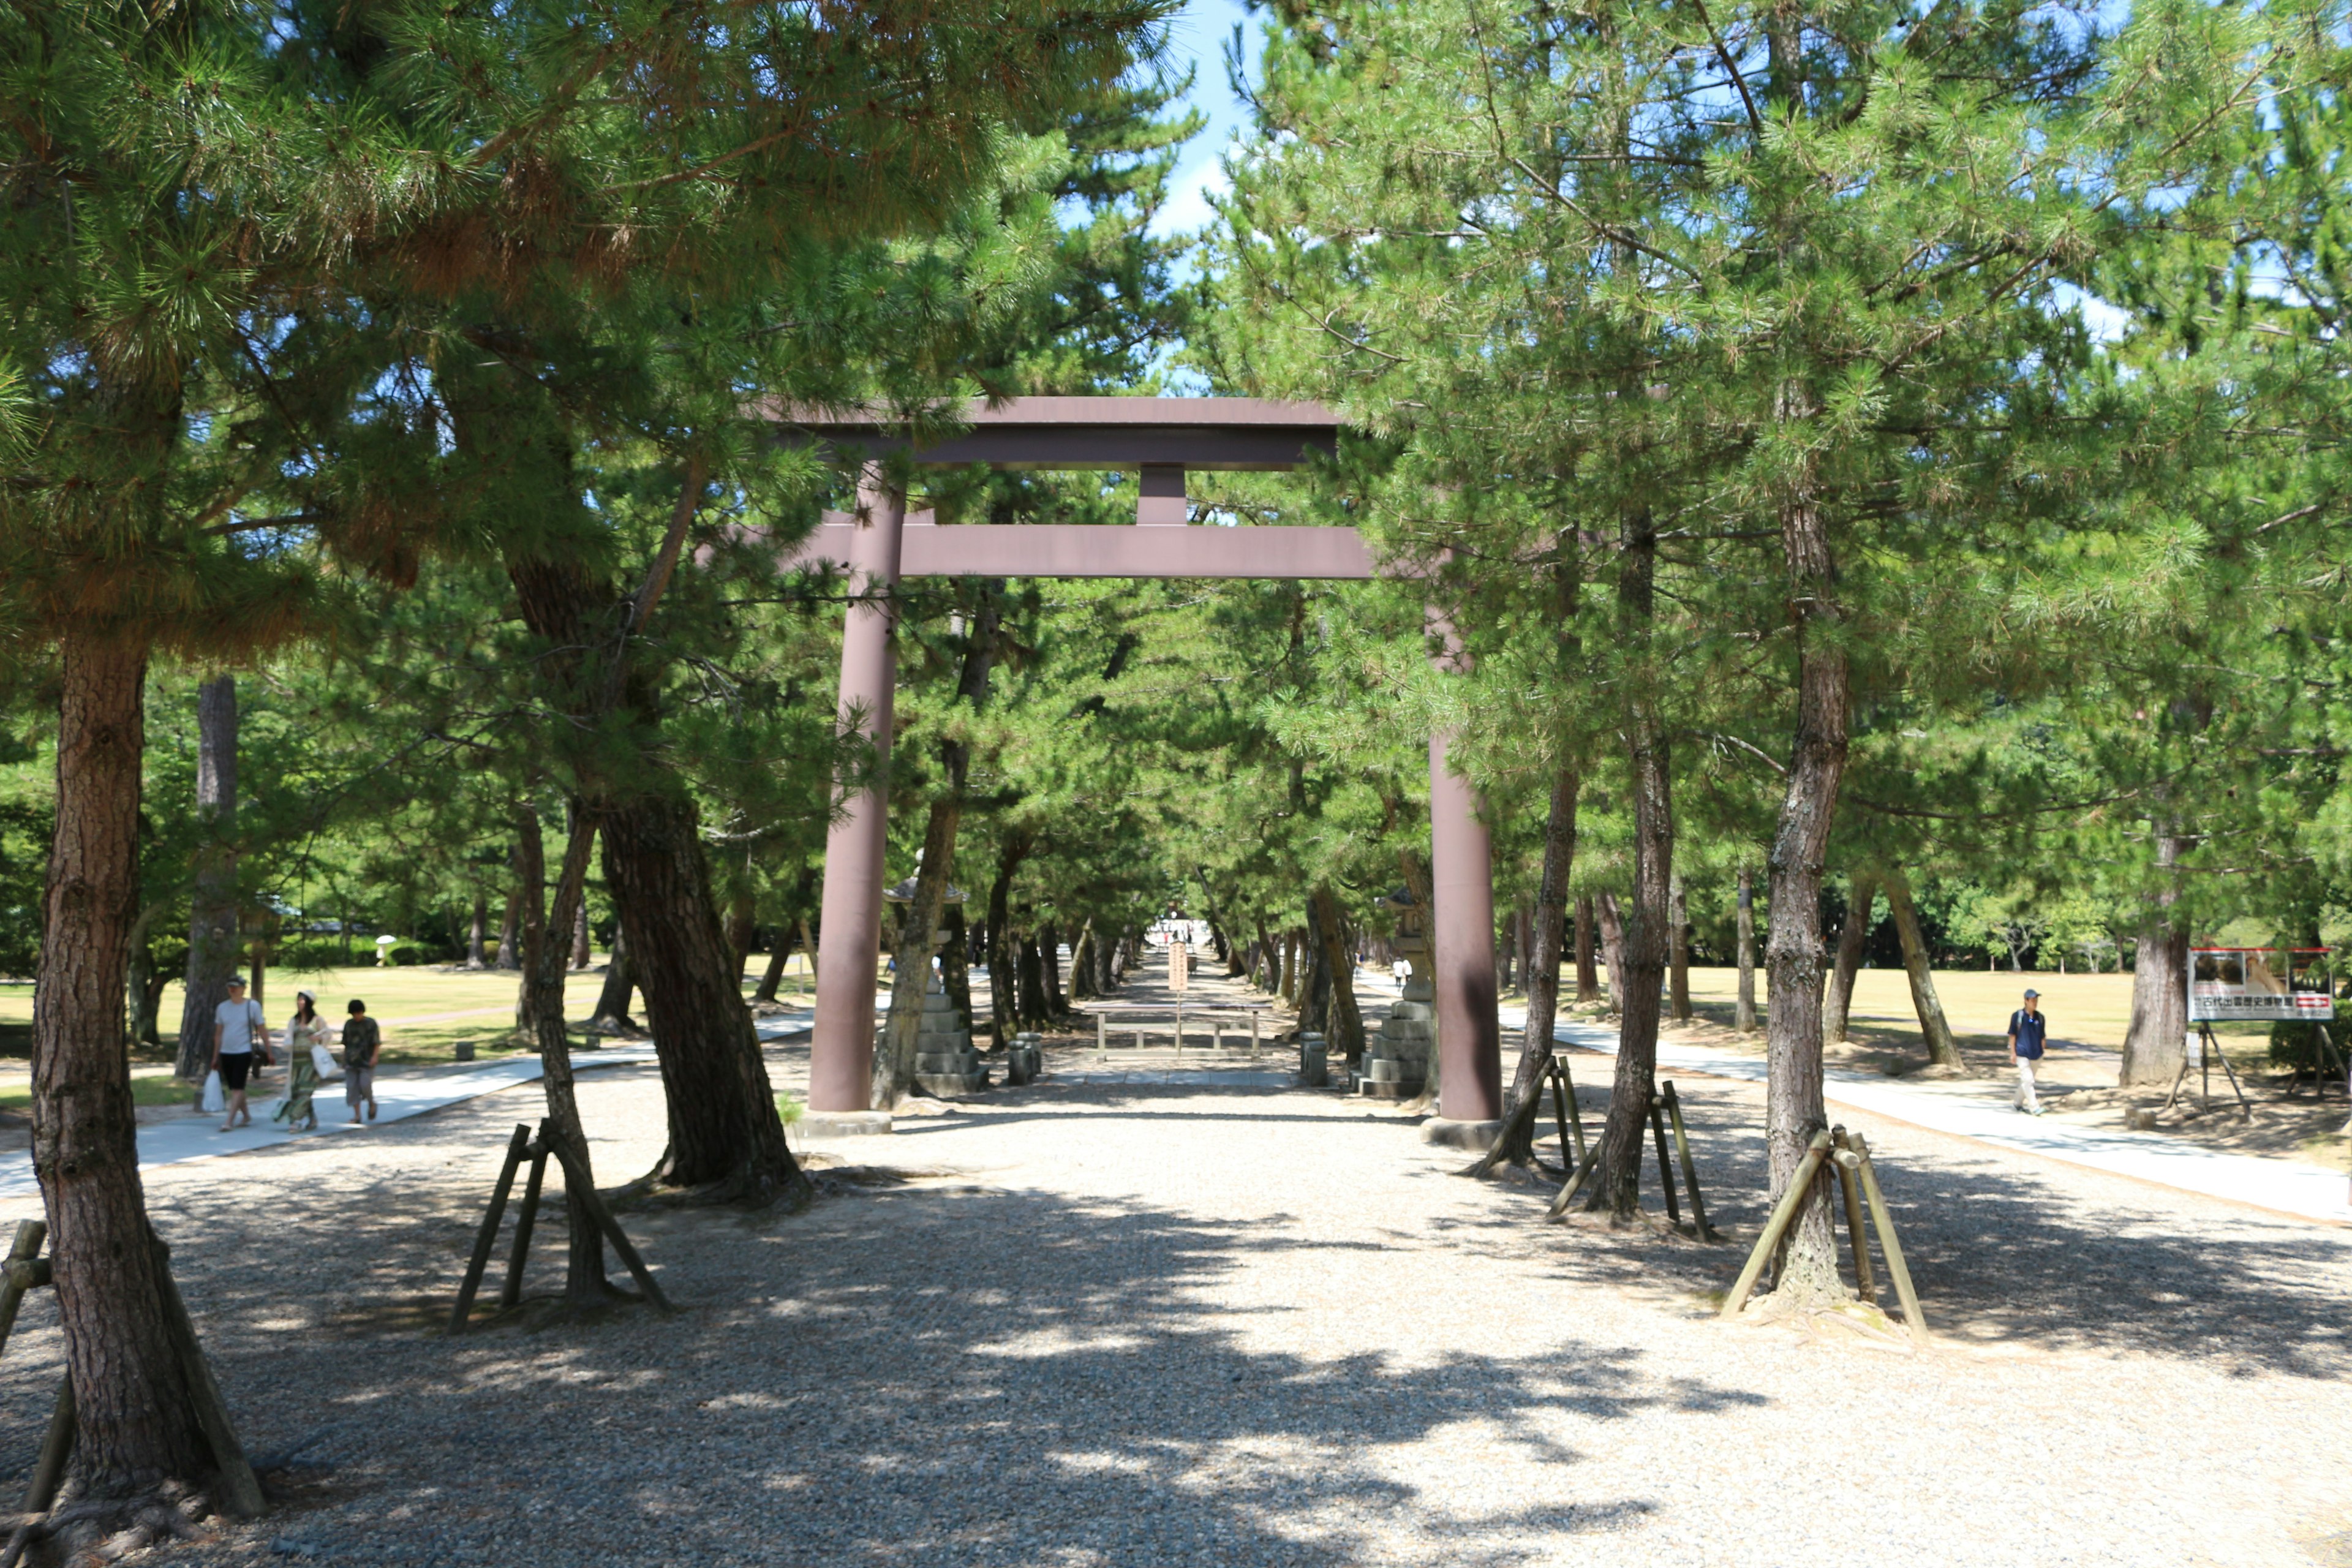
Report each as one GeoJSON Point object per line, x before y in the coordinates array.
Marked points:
{"type": "Point", "coordinates": [1314, 1061]}
{"type": "Point", "coordinates": [464, 1051]}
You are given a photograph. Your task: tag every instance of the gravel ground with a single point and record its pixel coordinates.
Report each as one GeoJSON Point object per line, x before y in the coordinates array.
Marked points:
{"type": "Point", "coordinates": [1119, 1324]}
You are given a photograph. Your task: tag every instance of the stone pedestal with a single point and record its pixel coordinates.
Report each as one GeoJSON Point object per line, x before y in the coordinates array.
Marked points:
{"type": "Point", "coordinates": [945, 1062]}
{"type": "Point", "coordinates": [1396, 1059]}
{"type": "Point", "coordinates": [1026, 1060]}
{"type": "Point", "coordinates": [1314, 1061]}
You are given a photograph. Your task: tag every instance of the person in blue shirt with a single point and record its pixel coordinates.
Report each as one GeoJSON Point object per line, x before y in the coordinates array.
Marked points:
{"type": "Point", "coordinates": [2029, 1033]}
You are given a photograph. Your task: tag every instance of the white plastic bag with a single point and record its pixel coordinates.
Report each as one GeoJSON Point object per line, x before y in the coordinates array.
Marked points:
{"type": "Point", "coordinates": [214, 1100]}
{"type": "Point", "coordinates": [324, 1061]}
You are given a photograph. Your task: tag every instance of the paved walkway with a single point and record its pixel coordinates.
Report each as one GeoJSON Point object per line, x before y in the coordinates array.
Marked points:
{"type": "Point", "coordinates": [1980, 1109]}
{"type": "Point", "coordinates": [399, 1095]}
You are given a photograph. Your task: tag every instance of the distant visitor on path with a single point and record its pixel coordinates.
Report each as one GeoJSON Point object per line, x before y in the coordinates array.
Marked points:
{"type": "Point", "coordinates": [362, 1040]}
{"type": "Point", "coordinates": [238, 1032]}
{"type": "Point", "coordinates": [305, 1032]}
{"type": "Point", "coordinates": [2028, 1029]}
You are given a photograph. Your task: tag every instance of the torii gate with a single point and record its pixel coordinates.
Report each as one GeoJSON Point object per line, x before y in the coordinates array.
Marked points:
{"type": "Point", "coordinates": [1160, 438]}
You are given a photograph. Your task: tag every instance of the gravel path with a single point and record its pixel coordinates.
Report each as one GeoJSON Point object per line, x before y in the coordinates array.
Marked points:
{"type": "Point", "coordinates": [1147, 1325]}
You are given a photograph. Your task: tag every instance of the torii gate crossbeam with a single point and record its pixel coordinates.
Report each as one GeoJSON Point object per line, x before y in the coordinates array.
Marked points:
{"type": "Point", "coordinates": [1159, 438]}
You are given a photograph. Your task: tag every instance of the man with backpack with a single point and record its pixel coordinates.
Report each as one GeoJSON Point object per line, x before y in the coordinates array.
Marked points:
{"type": "Point", "coordinates": [2029, 1033]}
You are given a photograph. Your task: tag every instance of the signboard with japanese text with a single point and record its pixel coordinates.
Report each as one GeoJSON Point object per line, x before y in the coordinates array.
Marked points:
{"type": "Point", "coordinates": [2252, 985]}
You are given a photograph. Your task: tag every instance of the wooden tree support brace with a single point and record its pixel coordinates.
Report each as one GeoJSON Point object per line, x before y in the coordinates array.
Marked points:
{"type": "Point", "coordinates": [488, 1237]}
{"type": "Point", "coordinates": [1699, 1227]}
{"type": "Point", "coordinates": [576, 1181]}
{"type": "Point", "coordinates": [1912, 1317]}
{"type": "Point", "coordinates": [49, 1470]}
{"type": "Point", "coordinates": [1563, 1090]}
{"type": "Point", "coordinates": [526, 1218]}
{"type": "Point", "coordinates": [1665, 1165]}
{"type": "Point", "coordinates": [30, 1234]}
{"type": "Point", "coordinates": [238, 1492]}
{"type": "Point", "coordinates": [1847, 1162]}
{"type": "Point", "coordinates": [1575, 1183]}
{"type": "Point", "coordinates": [1799, 1181]}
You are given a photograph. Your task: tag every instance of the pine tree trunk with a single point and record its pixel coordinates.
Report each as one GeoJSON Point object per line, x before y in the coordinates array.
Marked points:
{"type": "Point", "coordinates": [142, 988]}
{"type": "Point", "coordinates": [1678, 960]}
{"type": "Point", "coordinates": [2156, 1041]}
{"type": "Point", "coordinates": [1543, 971]}
{"type": "Point", "coordinates": [1942, 1049]}
{"type": "Point", "coordinates": [135, 1408]}
{"type": "Point", "coordinates": [1314, 987]}
{"type": "Point", "coordinates": [1854, 937]}
{"type": "Point", "coordinates": [1003, 960]}
{"type": "Point", "coordinates": [1082, 965]}
{"type": "Point", "coordinates": [583, 952]}
{"type": "Point", "coordinates": [585, 1284]}
{"type": "Point", "coordinates": [1506, 956]}
{"type": "Point", "coordinates": [724, 1131]}
{"type": "Point", "coordinates": [620, 985]}
{"type": "Point", "coordinates": [478, 934]}
{"type": "Point", "coordinates": [1588, 968]}
{"type": "Point", "coordinates": [1613, 951]}
{"type": "Point", "coordinates": [1743, 1009]}
{"type": "Point", "coordinates": [1049, 949]}
{"type": "Point", "coordinates": [894, 1064]}
{"type": "Point", "coordinates": [509, 939]}
{"type": "Point", "coordinates": [780, 952]}
{"type": "Point", "coordinates": [955, 964]}
{"type": "Point", "coordinates": [1346, 1036]}
{"type": "Point", "coordinates": [213, 901]}
{"type": "Point", "coordinates": [742, 930]}
{"type": "Point", "coordinates": [1645, 940]}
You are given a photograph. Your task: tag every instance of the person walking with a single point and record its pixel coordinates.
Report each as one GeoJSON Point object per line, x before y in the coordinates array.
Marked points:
{"type": "Point", "coordinates": [362, 1041]}
{"type": "Point", "coordinates": [304, 1030]}
{"type": "Point", "coordinates": [2029, 1033]}
{"type": "Point", "coordinates": [239, 1030]}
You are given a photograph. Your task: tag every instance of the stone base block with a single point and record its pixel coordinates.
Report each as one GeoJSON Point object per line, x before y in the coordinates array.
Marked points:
{"type": "Point", "coordinates": [842, 1123]}
{"type": "Point", "coordinates": [1370, 1089]}
{"type": "Point", "coordinates": [1453, 1134]}
{"type": "Point", "coordinates": [953, 1082]}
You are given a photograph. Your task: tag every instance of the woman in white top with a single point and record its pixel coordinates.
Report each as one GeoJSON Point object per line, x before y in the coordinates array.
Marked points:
{"type": "Point", "coordinates": [303, 1030]}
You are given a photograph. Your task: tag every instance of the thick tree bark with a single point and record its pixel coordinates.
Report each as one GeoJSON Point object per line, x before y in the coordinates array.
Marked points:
{"type": "Point", "coordinates": [1613, 949]}
{"type": "Point", "coordinates": [620, 985]}
{"type": "Point", "coordinates": [1942, 1049]}
{"type": "Point", "coordinates": [135, 1405]}
{"type": "Point", "coordinates": [1587, 967]}
{"type": "Point", "coordinates": [213, 901]}
{"type": "Point", "coordinates": [1743, 1010]}
{"type": "Point", "coordinates": [742, 930]}
{"type": "Point", "coordinates": [1853, 936]}
{"type": "Point", "coordinates": [1083, 986]}
{"type": "Point", "coordinates": [478, 934]}
{"type": "Point", "coordinates": [724, 1132]}
{"type": "Point", "coordinates": [1506, 954]}
{"type": "Point", "coordinates": [1049, 950]}
{"type": "Point", "coordinates": [2156, 1041]}
{"type": "Point", "coordinates": [583, 953]}
{"type": "Point", "coordinates": [1346, 1035]}
{"type": "Point", "coordinates": [1517, 1146]}
{"type": "Point", "coordinates": [955, 964]}
{"type": "Point", "coordinates": [1316, 989]}
{"type": "Point", "coordinates": [1678, 959]}
{"type": "Point", "coordinates": [142, 988]}
{"type": "Point", "coordinates": [1032, 972]}
{"type": "Point", "coordinates": [1004, 956]}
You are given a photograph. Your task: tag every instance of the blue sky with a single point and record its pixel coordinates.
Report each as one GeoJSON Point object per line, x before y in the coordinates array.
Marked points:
{"type": "Point", "coordinates": [1199, 34]}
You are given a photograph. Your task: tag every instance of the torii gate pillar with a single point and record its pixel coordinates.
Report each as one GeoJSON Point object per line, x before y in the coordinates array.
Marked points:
{"type": "Point", "coordinates": [849, 940]}
{"type": "Point", "coordinates": [1461, 938]}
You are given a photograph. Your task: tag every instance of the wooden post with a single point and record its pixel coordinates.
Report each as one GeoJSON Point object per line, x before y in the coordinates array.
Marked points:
{"type": "Point", "coordinates": [1253, 1034]}
{"type": "Point", "coordinates": [57, 1447]}
{"type": "Point", "coordinates": [1847, 1162]}
{"type": "Point", "coordinates": [1102, 1038]}
{"type": "Point", "coordinates": [1665, 1165]}
{"type": "Point", "coordinates": [1699, 1227]}
{"type": "Point", "coordinates": [1575, 1117]}
{"type": "Point", "coordinates": [235, 1489]}
{"type": "Point", "coordinates": [1179, 1028]}
{"type": "Point", "coordinates": [488, 1235]}
{"type": "Point", "coordinates": [575, 1181]}
{"type": "Point", "coordinates": [1575, 1183]}
{"type": "Point", "coordinates": [1801, 1181]}
{"type": "Point", "coordinates": [1887, 1242]}
{"type": "Point", "coordinates": [1559, 1098]}
{"type": "Point", "coordinates": [30, 1234]}
{"type": "Point", "coordinates": [511, 1293]}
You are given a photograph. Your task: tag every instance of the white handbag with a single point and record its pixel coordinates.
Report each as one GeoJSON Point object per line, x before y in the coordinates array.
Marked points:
{"type": "Point", "coordinates": [324, 1061]}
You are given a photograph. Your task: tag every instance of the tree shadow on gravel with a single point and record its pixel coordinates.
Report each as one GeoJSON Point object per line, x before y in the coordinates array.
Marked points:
{"type": "Point", "coordinates": [2004, 1249]}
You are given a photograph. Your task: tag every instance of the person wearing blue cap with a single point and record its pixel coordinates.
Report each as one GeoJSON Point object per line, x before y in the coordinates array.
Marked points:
{"type": "Point", "coordinates": [2029, 1032]}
